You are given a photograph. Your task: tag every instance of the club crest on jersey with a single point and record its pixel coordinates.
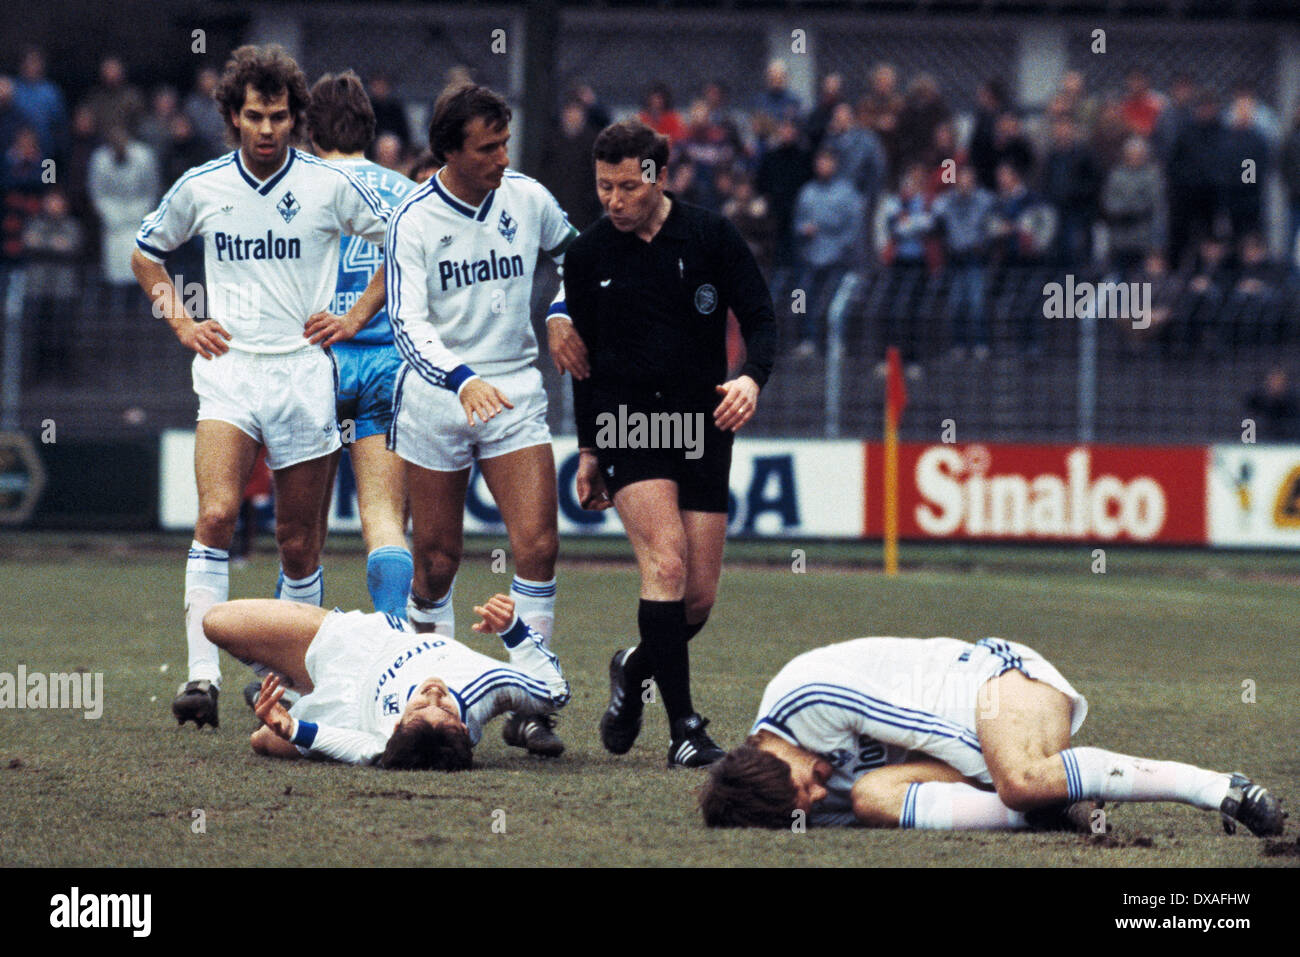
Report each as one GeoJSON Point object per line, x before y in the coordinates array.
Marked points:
{"type": "Point", "coordinates": [288, 207]}
{"type": "Point", "coordinates": [706, 299]}
{"type": "Point", "coordinates": [390, 704]}
{"type": "Point", "coordinates": [507, 226]}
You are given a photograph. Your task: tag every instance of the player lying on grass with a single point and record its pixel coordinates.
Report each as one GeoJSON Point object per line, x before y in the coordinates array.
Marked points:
{"type": "Point", "coordinates": [376, 692]}
{"type": "Point", "coordinates": [911, 733]}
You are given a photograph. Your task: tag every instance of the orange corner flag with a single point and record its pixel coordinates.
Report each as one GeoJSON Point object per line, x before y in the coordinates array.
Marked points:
{"type": "Point", "coordinates": [895, 388]}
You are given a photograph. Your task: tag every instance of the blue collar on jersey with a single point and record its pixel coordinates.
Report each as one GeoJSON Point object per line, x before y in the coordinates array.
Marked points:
{"type": "Point", "coordinates": [480, 214]}
{"type": "Point", "coordinates": [269, 185]}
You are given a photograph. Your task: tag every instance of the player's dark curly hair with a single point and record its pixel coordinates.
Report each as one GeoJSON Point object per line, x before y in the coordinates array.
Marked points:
{"type": "Point", "coordinates": [457, 105]}
{"type": "Point", "coordinates": [340, 117]}
{"type": "Point", "coordinates": [631, 139]}
{"type": "Point", "coordinates": [420, 746]}
{"type": "Point", "coordinates": [270, 71]}
{"type": "Point", "coordinates": [749, 788]}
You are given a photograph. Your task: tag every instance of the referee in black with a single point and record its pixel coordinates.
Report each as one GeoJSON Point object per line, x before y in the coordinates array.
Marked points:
{"type": "Point", "coordinates": [642, 330]}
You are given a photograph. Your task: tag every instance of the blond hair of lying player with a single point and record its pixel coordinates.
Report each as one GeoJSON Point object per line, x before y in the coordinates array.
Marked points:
{"type": "Point", "coordinates": [938, 733]}
{"type": "Point", "coordinates": [376, 692]}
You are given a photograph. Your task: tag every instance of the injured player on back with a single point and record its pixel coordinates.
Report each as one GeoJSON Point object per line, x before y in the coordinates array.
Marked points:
{"type": "Point", "coordinates": [942, 734]}
{"type": "Point", "coordinates": [375, 692]}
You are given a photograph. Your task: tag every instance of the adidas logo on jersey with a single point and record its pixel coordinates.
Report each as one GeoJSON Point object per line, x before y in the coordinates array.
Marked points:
{"type": "Point", "coordinates": [466, 273]}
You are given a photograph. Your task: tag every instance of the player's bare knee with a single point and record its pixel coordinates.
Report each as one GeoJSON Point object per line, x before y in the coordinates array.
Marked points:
{"type": "Point", "coordinates": [536, 550]}
{"type": "Point", "coordinates": [216, 625]}
{"type": "Point", "coordinates": [668, 569]}
{"type": "Point", "coordinates": [216, 523]}
{"type": "Point", "coordinates": [1023, 787]}
{"type": "Point", "coordinates": [299, 548]}
{"type": "Point", "coordinates": [434, 570]}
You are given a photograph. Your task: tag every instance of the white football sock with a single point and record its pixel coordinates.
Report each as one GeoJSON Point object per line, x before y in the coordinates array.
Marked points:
{"type": "Point", "coordinates": [441, 614]}
{"type": "Point", "coordinates": [1094, 773]}
{"type": "Point", "coordinates": [954, 806]}
{"type": "Point", "coordinates": [207, 583]}
{"type": "Point", "coordinates": [535, 605]}
{"type": "Point", "coordinates": [305, 591]}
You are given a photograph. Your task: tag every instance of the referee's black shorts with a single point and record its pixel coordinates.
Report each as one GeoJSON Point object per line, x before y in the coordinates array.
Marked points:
{"type": "Point", "coordinates": [700, 469]}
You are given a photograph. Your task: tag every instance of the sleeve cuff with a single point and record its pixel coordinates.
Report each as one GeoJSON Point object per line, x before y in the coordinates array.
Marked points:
{"type": "Point", "coordinates": [304, 733]}
{"type": "Point", "coordinates": [516, 633]}
{"type": "Point", "coordinates": [151, 252]}
{"type": "Point", "coordinates": [458, 376]}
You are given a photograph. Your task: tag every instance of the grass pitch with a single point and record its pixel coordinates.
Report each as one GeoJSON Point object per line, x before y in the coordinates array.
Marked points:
{"type": "Point", "coordinates": [1168, 648]}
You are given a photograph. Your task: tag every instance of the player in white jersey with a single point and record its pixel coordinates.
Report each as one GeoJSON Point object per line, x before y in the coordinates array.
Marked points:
{"type": "Point", "coordinates": [943, 734]}
{"type": "Point", "coordinates": [375, 691]}
{"type": "Point", "coordinates": [460, 256]}
{"type": "Point", "coordinates": [270, 217]}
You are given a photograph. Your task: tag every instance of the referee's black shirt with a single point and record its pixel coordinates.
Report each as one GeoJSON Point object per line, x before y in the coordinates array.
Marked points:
{"type": "Point", "coordinates": [653, 316]}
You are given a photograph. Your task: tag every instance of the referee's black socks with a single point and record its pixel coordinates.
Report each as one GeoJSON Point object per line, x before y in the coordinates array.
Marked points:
{"type": "Point", "coordinates": [663, 636]}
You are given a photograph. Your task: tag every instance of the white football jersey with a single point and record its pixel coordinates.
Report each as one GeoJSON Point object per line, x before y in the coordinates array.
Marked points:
{"type": "Point", "coordinates": [869, 702]}
{"type": "Point", "coordinates": [270, 248]}
{"type": "Point", "coordinates": [374, 669]}
{"type": "Point", "coordinates": [460, 278]}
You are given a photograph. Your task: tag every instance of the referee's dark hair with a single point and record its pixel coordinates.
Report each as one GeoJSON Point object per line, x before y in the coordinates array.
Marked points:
{"type": "Point", "coordinates": [749, 788]}
{"type": "Point", "coordinates": [270, 71]}
{"type": "Point", "coordinates": [455, 108]}
{"type": "Point", "coordinates": [419, 746]}
{"type": "Point", "coordinates": [340, 118]}
{"type": "Point", "coordinates": [631, 138]}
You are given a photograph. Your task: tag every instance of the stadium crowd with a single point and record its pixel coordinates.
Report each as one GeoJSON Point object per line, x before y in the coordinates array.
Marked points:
{"type": "Point", "coordinates": [949, 222]}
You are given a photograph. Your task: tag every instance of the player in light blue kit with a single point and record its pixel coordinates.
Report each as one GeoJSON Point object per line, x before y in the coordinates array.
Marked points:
{"type": "Point", "coordinates": [375, 691]}
{"type": "Point", "coordinates": [341, 124]}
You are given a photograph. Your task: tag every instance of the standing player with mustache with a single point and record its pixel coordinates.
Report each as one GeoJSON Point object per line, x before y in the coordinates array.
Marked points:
{"type": "Point", "coordinates": [271, 218]}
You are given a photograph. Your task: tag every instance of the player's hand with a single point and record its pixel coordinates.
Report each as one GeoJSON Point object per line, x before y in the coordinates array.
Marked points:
{"type": "Point", "coordinates": [208, 338]}
{"type": "Point", "coordinates": [269, 709]}
{"type": "Point", "coordinates": [739, 401]}
{"type": "Point", "coordinates": [568, 351]}
{"type": "Point", "coordinates": [590, 484]}
{"type": "Point", "coordinates": [497, 614]}
{"type": "Point", "coordinates": [480, 397]}
{"type": "Point", "coordinates": [324, 329]}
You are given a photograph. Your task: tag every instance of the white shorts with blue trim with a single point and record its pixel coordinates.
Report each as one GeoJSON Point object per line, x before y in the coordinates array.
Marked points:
{"type": "Point", "coordinates": [429, 427]}
{"type": "Point", "coordinates": [988, 659]}
{"type": "Point", "coordinates": [283, 400]}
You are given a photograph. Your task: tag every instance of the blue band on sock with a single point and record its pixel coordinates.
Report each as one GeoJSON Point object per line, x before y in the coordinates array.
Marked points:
{"type": "Point", "coordinates": [908, 818]}
{"type": "Point", "coordinates": [534, 589]}
{"type": "Point", "coordinates": [1073, 779]}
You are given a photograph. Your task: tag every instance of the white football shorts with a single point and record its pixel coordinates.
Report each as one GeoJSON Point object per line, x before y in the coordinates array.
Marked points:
{"type": "Point", "coordinates": [990, 658]}
{"type": "Point", "coordinates": [338, 660]}
{"type": "Point", "coordinates": [429, 427]}
{"type": "Point", "coordinates": [283, 400]}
